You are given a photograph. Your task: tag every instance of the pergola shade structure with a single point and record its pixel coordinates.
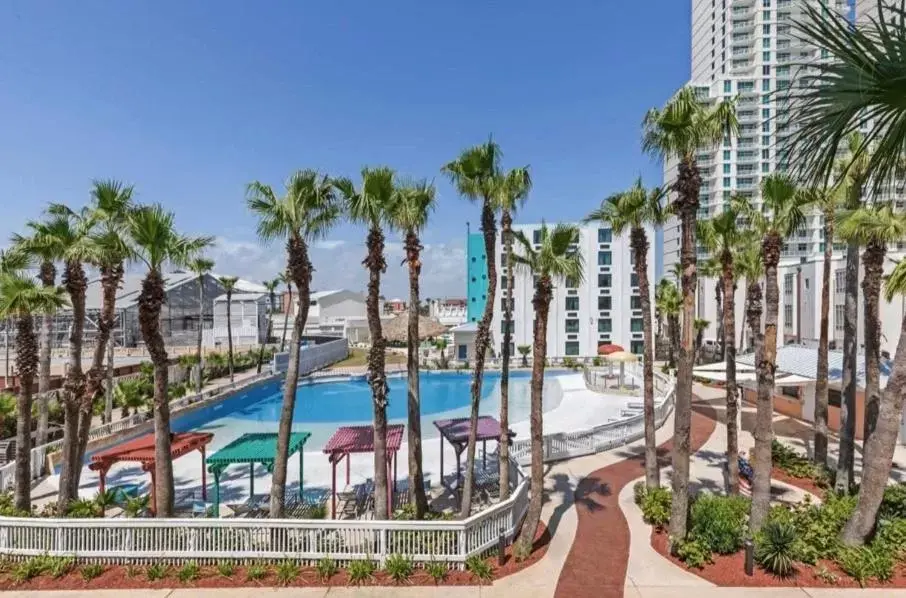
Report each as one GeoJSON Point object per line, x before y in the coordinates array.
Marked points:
{"type": "Point", "coordinates": [251, 449]}
{"type": "Point", "coordinates": [360, 439]}
{"type": "Point", "coordinates": [141, 450]}
{"type": "Point", "coordinates": [456, 432]}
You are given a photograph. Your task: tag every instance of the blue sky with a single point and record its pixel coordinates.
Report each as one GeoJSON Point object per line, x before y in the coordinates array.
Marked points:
{"type": "Point", "coordinates": [189, 101]}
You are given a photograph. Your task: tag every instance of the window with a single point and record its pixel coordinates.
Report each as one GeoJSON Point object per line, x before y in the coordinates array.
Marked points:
{"type": "Point", "coordinates": [766, 15]}
{"type": "Point", "coordinates": [766, 29]}
{"type": "Point", "coordinates": [765, 85]}
{"type": "Point", "coordinates": [504, 327]}
{"type": "Point", "coordinates": [512, 348]}
{"type": "Point", "coordinates": [790, 391]}
{"type": "Point", "coordinates": [605, 303]}
{"type": "Point", "coordinates": [605, 325]}
{"type": "Point", "coordinates": [766, 70]}
{"type": "Point", "coordinates": [838, 317]}
{"type": "Point", "coordinates": [633, 280]}
{"type": "Point", "coordinates": [726, 181]}
{"type": "Point", "coordinates": [765, 99]}
{"type": "Point", "coordinates": [635, 325]}
{"type": "Point", "coordinates": [504, 301]}
{"type": "Point", "coordinates": [833, 397]}
{"type": "Point", "coordinates": [766, 42]}
{"type": "Point", "coordinates": [766, 127]}
{"type": "Point", "coordinates": [637, 347]}
{"type": "Point", "coordinates": [571, 283]}
{"type": "Point", "coordinates": [572, 325]}
{"type": "Point", "coordinates": [503, 282]}
{"type": "Point", "coordinates": [765, 140]}
{"type": "Point", "coordinates": [726, 154]}
{"type": "Point", "coordinates": [605, 258]}
{"type": "Point", "coordinates": [605, 235]}
{"type": "Point", "coordinates": [728, 86]}
{"type": "Point", "coordinates": [788, 317]}
{"type": "Point", "coordinates": [605, 281]}
{"type": "Point", "coordinates": [766, 57]}
{"type": "Point", "coordinates": [635, 302]}
{"type": "Point", "coordinates": [572, 304]}
{"type": "Point", "coordinates": [462, 352]}
{"type": "Point", "coordinates": [572, 348]}
{"type": "Point", "coordinates": [536, 236]}
{"type": "Point", "coordinates": [726, 169]}
{"type": "Point", "coordinates": [765, 168]}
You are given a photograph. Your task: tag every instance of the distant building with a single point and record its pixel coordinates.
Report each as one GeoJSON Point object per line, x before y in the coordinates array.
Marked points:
{"type": "Point", "coordinates": [449, 312]}
{"type": "Point", "coordinates": [393, 307]}
{"type": "Point", "coordinates": [330, 313]}
{"type": "Point", "coordinates": [476, 277]}
{"type": "Point", "coordinates": [248, 319]}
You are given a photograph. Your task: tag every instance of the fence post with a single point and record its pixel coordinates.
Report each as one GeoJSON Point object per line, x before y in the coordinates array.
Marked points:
{"type": "Point", "coordinates": [382, 549]}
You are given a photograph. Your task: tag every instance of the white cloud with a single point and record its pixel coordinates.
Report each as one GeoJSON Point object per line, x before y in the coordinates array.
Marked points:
{"type": "Point", "coordinates": [329, 244]}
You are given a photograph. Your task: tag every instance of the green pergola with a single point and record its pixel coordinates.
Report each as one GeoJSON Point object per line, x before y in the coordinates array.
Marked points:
{"type": "Point", "coordinates": [251, 449]}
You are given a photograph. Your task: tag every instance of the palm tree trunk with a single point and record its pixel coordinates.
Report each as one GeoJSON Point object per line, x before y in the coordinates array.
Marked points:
{"type": "Point", "coordinates": [879, 450]}
{"type": "Point", "coordinates": [27, 364]}
{"type": "Point", "coordinates": [821, 401]}
{"type": "Point", "coordinates": [267, 335]}
{"type": "Point", "coordinates": [873, 263]}
{"type": "Point", "coordinates": [48, 275]}
{"type": "Point", "coordinates": [718, 302]}
{"type": "Point", "coordinates": [75, 282]}
{"type": "Point", "coordinates": [745, 310]}
{"type": "Point", "coordinates": [416, 477]}
{"type": "Point", "coordinates": [729, 337]}
{"type": "Point", "coordinates": [286, 310]}
{"type": "Point", "coordinates": [845, 462]}
{"type": "Point", "coordinates": [766, 365]}
{"type": "Point", "coordinates": [150, 300]}
{"type": "Point", "coordinates": [198, 353]}
{"type": "Point", "coordinates": [640, 246]}
{"type": "Point", "coordinates": [229, 300]}
{"type": "Point", "coordinates": [687, 186]}
{"type": "Point", "coordinates": [482, 343]}
{"type": "Point", "coordinates": [506, 221]}
{"type": "Point", "coordinates": [299, 270]}
{"type": "Point", "coordinates": [377, 377]}
{"type": "Point", "coordinates": [541, 303]}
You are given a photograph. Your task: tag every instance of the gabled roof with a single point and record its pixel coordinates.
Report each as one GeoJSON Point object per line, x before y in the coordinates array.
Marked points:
{"type": "Point", "coordinates": [130, 287]}
{"type": "Point", "coordinates": [467, 327]}
{"type": "Point", "coordinates": [242, 297]}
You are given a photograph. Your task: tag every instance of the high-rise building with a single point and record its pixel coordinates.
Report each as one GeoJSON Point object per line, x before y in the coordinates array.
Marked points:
{"type": "Point", "coordinates": [476, 276]}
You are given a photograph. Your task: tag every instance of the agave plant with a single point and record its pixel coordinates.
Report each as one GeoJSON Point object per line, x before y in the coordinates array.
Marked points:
{"type": "Point", "coordinates": [137, 506]}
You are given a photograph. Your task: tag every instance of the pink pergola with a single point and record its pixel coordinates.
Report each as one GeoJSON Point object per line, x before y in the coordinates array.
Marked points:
{"type": "Point", "coordinates": [360, 439]}
{"type": "Point", "coordinates": [456, 431]}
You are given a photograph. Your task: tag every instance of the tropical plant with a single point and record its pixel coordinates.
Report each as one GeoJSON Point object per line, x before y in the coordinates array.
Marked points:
{"type": "Point", "coordinates": [155, 242]}
{"type": "Point", "coordinates": [634, 210]}
{"type": "Point", "coordinates": [156, 571]}
{"type": "Point", "coordinates": [137, 506]}
{"type": "Point", "coordinates": [443, 359]}
{"type": "Point", "coordinates": [306, 212]}
{"type": "Point", "coordinates": [479, 568]}
{"type": "Point", "coordinates": [437, 570]}
{"type": "Point", "coordinates": [200, 267]}
{"type": "Point", "coordinates": [373, 205]}
{"type": "Point", "coordinates": [669, 304]}
{"type": "Point", "coordinates": [784, 212]}
{"type": "Point", "coordinates": [271, 286]}
{"type": "Point", "coordinates": [556, 258]}
{"type": "Point", "coordinates": [360, 571]}
{"type": "Point", "coordinates": [524, 351]}
{"type": "Point", "coordinates": [476, 175]}
{"type": "Point", "coordinates": [409, 214]}
{"type": "Point", "coordinates": [699, 325]}
{"type": "Point", "coordinates": [776, 548]}
{"type": "Point", "coordinates": [92, 571]}
{"type": "Point", "coordinates": [399, 567]}
{"type": "Point", "coordinates": [131, 395]}
{"type": "Point", "coordinates": [326, 568]}
{"type": "Point", "coordinates": [229, 285]}
{"type": "Point", "coordinates": [226, 568]}
{"type": "Point", "coordinates": [188, 572]}
{"type": "Point", "coordinates": [684, 127]}
{"type": "Point", "coordinates": [287, 572]}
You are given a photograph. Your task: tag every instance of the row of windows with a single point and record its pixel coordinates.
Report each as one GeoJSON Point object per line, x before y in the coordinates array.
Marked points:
{"type": "Point", "coordinates": [571, 325]}
{"type": "Point", "coordinates": [605, 235]}
{"type": "Point", "coordinates": [571, 348]}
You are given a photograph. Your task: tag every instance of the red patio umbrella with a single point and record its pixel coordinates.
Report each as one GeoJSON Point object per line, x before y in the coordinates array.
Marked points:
{"type": "Point", "coordinates": [608, 349]}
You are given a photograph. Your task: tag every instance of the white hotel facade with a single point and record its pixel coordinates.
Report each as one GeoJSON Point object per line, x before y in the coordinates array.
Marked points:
{"type": "Point", "coordinates": [603, 308]}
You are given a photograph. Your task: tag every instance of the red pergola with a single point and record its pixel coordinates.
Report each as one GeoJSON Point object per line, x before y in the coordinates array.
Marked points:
{"type": "Point", "coordinates": [141, 450]}
{"type": "Point", "coordinates": [360, 439]}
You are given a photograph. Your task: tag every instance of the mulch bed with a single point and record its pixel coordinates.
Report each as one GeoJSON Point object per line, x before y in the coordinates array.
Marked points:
{"type": "Point", "coordinates": [806, 484]}
{"type": "Point", "coordinates": [124, 577]}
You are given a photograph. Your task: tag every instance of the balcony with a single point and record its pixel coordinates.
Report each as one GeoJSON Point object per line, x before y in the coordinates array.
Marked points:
{"type": "Point", "coordinates": [747, 115]}
{"type": "Point", "coordinates": [743, 26]}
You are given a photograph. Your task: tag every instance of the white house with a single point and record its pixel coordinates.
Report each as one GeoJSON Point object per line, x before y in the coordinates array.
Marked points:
{"type": "Point", "coordinates": [248, 318]}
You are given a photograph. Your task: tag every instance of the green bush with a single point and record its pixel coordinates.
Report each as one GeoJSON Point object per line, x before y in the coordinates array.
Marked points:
{"type": "Point", "coordinates": [437, 571]}
{"type": "Point", "coordinates": [479, 568]}
{"type": "Point", "coordinates": [656, 507]}
{"type": "Point", "coordinates": [639, 490]}
{"type": "Point", "coordinates": [596, 361]}
{"type": "Point", "coordinates": [92, 571]}
{"type": "Point", "coordinates": [399, 567]}
{"type": "Point", "coordinates": [694, 553]}
{"type": "Point", "coordinates": [156, 571]}
{"type": "Point", "coordinates": [893, 506]}
{"type": "Point", "coordinates": [891, 536]}
{"type": "Point", "coordinates": [188, 572]}
{"type": "Point", "coordinates": [287, 572]}
{"type": "Point", "coordinates": [826, 575]}
{"type": "Point", "coordinates": [775, 548]}
{"type": "Point", "coordinates": [326, 568]}
{"type": "Point", "coordinates": [864, 563]}
{"type": "Point", "coordinates": [318, 512]}
{"type": "Point", "coordinates": [256, 572]}
{"type": "Point", "coordinates": [817, 526]}
{"type": "Point", "coordinates": [361, 571]}
{"type": "Point", "coordinates": [719, 522]}
{"type": "Point", "coordinates": [799, 466]}
{"type": "Point", "coordinates": [60, 566]}
{"type": "Point", "coordinates": [29, 569]}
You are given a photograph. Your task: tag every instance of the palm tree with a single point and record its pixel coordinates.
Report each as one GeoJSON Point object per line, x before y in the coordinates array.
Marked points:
{"type": "Point", "coordinates": [873, 226]}
{"type": "Point", "coordinates": [306, 212]}
{"type": "Point", "coordinates": [878, 452]}
{"type": "Point", "coordinates": [229, 285]}
{"type": "Point", "coordinates": [512, 192]}
{"type": "Point", "coordinates": [723, 236]}
{"type": "Point", "coordinates": [130, 396]}
{"type": "Point", "coordinates": [711, 268]}
{"type": "Point", "coordinates": [557, 258]}
{"type": "Point", "coordinates": [682, 128]}
{"type": "Point", "coordinates": [271, 286]}
{"type": "Point", "coordinates": [750, 267]}
{"type": "Point", "coordinates": [21, 298]}
{"type": "Point", "coordinates": [635, 210]}
{"type": "Point", "coordinates": [373, 205]}
{"type": "Point", "coordinates": [415, 201]}
{"type": "Point", "coordinates": [288, 281]}
{"type": "Point", "coordinates": [200, 267]}
{"type": "Point", "coordinates": [699, 325]}
{"type": "Point", "coordinates": [670, 303]}
{"type": "Point", "coordinates": [476, 175]}
{"type": "Point", "coordinates": [524, 350]}
{"type": "Point", "coordinates": [786, 207]}
{"type": "Point", "coordinates": [155, 243]}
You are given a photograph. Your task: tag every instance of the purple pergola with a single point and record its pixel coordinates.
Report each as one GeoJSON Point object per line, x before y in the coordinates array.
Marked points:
{"type": "Point", "coordinates": [360, 439]}
{"type": "Point", "coordinates": [456, 431]}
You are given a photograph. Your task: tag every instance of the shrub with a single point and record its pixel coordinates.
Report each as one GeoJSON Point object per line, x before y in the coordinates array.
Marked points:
{"type": "Point", "coordinates": [864, 563]}
{"type": "Point", "coordinates": [155, 571]}
{"type": "Point", "coordinates": [891, 536]}
{"type": "Point", "coordinates": [596, 361]}
{"type": "Point", "coordinates": [817, 526]}
{"type": "Point", "coordinates": [256, 572]}
{"type": "Point", "coordinates": [719, 522]}
{"type": "Point", "coordinates": [188, 572]}
{"type": "Point", "coordinates": [437, 571]}
{"type": "Point", "coordinates": [29, 569]}
{"type": "Point", "coordinates": [656, 507]}
{"type": "Point", "coordinates": [326, 568]}
{"type": "Point", "coordinates": [893, 506]}
{"type": "Point", "coordinates": [226, 568]}
{"type": "Point", "coordinates": [92, 571]}
{"type": "Point", "coordinates": [639, 490]}
{"type": "Point", "coordinates": [775, 548]}
{"type": "Point", "coordinates": [399, 567]}
{"type": "Point", "coordinates": [287, 572]}
{"type": "Point", "coordinates": [826, 575]}
{"type": "Point", "coordinates": [318, 512]}
{"type": "Point", "coordinates": [479, 568]}
{"type": "Point", "coordinates": [694, 553]}
{"type": "Point", "coordinates": [84, 508]}
{"type": "Point", "coordinates": [60, 566]}
{"type": "Point", "coordinates": [361, 571]}
{"type": "Point", "coordinates": [132, 571]}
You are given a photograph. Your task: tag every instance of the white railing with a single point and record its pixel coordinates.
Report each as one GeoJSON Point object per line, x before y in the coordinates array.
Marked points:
{"type": "Point", "coordinates": [207, 540]}
{"type": "Point", "coordinates": [314, 357]}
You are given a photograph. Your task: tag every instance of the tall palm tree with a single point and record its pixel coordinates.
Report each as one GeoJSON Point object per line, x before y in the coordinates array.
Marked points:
{"type": "Point", "coordinates": [476, 175]}
{"type": "Point", "coordinates": [307, 211]}
{"type": "Point", "coordinates": [512, 192]}
{"type": "Point", "coordinates": [670, 303]}
{"type": "Point", "coordinates": [200, 267]}
{"type": "Point", "coordinates": [723, 236]}
{"type": "Point", "coordinates": [373, 205]}
{"type": "Point", "coordinates": [786, 209]}
{"type": "Point", "coordinates": [271, 286]}
{"type": "Point", "coordinates": [711, 268]}
{"type": "Point", "coordinates": [414, 204]}
{"type": "Point", "coordinates": [873, 226]}
{"type": "Point", "coordinates": [635, 210]}
{"type": "Point", "coordinates": [678, 131]}
{"type": "Point", "coordinates": [229, 285]}
{"type": "Point", "coordinates": [556, 259]}
{"type": "Point", "coordinates": [155, 243]}
{"type": "Point", "coordinates": [21, 299]}
{"type": "Point", "coordinates": [750, 267]}
{"type": "Point", "coordinates": [288, 281]}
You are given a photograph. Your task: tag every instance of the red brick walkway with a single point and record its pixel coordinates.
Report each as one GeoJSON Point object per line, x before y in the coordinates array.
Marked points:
{"type": "Point", "coordinates": [597, 562]}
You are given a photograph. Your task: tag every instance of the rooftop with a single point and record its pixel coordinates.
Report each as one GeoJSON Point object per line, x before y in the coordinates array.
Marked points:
{"type": "Point", "coordinates": [803, 361]}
